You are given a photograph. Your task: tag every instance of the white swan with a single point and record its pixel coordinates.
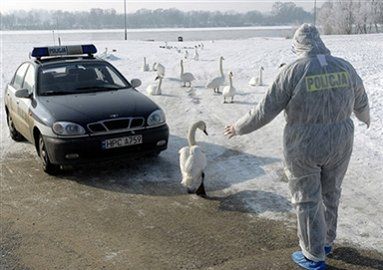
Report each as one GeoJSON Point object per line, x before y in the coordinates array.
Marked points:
{"type": "Point", "coordinates": [257, 80]}
{"type": "Point", "coordinates": [193, 162]}
{"type": "Point", "coordinates": [186, 77]}
{"type": "Point", "coordinates": [155, 89]}
{"type": "Point", "coordinates": [217, 81]}
{"type": "Point", "coordinates": [229, 90]}
{"type": "Point", "coordinates": [104, 54]}
{"type": "Point", "coordinates": [145, 66]}
{"type": "Point", "coordinates": [196, 54]}
{"type": "Point", "coordinates": [160, 69]}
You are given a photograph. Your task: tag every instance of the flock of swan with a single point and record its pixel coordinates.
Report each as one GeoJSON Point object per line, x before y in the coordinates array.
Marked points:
{"type": "Point", "coordinates": [186, 78]}
{"type": "Point", "coordinates": [192, 157]}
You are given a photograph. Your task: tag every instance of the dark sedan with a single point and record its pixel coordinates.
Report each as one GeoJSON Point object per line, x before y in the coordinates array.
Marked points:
{"type": "Point", "coordinates": [77, 109]}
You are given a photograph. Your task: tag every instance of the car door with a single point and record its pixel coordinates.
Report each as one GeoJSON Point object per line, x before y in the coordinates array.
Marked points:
{"type": "Point", "coordinates": [24, 104]}
{"type": "Point", "coordinates": [16, 84]}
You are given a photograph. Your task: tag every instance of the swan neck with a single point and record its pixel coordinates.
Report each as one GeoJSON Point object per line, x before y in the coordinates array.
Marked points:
{"type": "Point", "coordinates": [231, 81]}
{"type": "Point", "coordinates": [191, 135]}
{"type": "Point", "coordinates": [221, 67]}
{"type": "Point", "coordinates": [182, 68]}
{"type": "Point", "coordinates": [159, 83]}
{"type": "Point", "coordinates": [144, 61]}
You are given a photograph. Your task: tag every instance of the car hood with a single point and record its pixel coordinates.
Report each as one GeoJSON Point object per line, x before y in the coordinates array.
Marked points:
{"type": "Point", "coordinates": [92, 107]}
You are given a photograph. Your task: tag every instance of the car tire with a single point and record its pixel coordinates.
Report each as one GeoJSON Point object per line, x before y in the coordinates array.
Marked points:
{"type": "Point", "coordinates": [48, 167]}
{"type": "Point", "coordinates": [15, 135]}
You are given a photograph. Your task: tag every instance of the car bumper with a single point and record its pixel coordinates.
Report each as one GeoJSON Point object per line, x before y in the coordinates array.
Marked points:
{"type": "Point", "coordinates": [73, 151]}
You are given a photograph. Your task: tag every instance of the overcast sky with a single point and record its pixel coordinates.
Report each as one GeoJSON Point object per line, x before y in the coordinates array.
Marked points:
{"type": "Point", "coordinates": [132, 6]}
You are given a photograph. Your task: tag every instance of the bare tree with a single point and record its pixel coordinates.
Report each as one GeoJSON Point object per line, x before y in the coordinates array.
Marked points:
{"type": "Point", "coordinates": [352, 16]}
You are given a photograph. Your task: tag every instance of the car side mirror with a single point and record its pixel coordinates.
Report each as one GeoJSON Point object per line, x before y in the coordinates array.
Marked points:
{"type": "Point", "coordinates": [23, 93]}
{"type": "Point", "coordinates": [135, 83]}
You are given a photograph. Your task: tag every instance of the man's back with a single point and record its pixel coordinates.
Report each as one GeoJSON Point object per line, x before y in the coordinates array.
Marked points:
{"type": "Point", "coordinates": [322, 90]}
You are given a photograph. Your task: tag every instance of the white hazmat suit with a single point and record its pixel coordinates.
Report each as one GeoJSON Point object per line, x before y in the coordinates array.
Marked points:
{"type": "Point", "coordinates": [318, 93]}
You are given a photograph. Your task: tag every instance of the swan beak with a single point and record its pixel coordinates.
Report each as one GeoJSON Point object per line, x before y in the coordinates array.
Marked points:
{"type": "Point", "coordinates": [156, 78]}
{"type": "Point", "coordinates": [204, 131]}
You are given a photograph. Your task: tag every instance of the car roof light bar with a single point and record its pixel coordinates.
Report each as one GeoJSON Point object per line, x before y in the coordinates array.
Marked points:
{"type": "Point", "coordinates": [88, 49]}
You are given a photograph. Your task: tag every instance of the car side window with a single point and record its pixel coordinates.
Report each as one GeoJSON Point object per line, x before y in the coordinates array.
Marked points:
{"type": "Point", "coordinates": [19, 76]}
{"type": "Point", "coordinates": [29, 80]}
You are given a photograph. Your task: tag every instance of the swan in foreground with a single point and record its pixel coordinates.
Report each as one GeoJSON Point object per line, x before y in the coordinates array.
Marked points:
{"type": "Point", "coordinates": [217, 81]}
{"type": "Point", "coordinates": [257, 81]}
{"type": "Point", "coordinates": [193, 162]}
{"type": "Point", "coordinates": [155, 89]}
{"type": "Point", "coordinates": [229, 90]}
{"type": "Point", "coordinates": [160, 69]}
{"type": "Point", "coordinates": [186, 77]}
{"type": "Point", "coordinates": [145, 66]}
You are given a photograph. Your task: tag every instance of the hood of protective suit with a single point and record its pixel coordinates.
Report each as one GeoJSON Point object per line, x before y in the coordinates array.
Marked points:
{"type": "Point", "coordinates": [307, 42]}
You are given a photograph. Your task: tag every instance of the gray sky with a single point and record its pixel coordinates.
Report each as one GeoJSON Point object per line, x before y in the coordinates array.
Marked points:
{"type": "Point", "coordinates": [132, 6]}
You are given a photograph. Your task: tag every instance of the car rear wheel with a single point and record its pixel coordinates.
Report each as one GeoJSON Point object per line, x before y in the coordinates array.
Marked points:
{"type": "Point", "coordinates": [15, 135]}
{"type": "Point", "coordinates": [48, 167]}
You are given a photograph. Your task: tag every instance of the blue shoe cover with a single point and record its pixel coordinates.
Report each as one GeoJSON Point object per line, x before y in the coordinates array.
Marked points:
{"type": "Point", "coordinates": [327, 250]}
{"type": "Point", "coordinates": [305, 263]}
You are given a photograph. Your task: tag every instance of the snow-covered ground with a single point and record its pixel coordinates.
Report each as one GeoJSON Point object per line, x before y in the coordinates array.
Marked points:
{"type": "Point", "coordinates": [249, 168]}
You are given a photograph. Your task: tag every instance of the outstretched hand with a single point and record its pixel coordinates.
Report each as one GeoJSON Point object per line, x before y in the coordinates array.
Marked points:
{"type": "Point", "coordinates": [230, 131]}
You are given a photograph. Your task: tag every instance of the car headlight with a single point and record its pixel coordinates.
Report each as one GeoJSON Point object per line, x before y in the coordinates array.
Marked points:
{"type": "Point", "coordinates": [155, 118]}
{"type": "Point", "coordinates": [67, 128]}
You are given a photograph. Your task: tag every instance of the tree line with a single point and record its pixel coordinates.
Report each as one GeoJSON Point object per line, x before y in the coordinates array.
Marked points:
{"type": "Point", "coordinates": [351, 17]}
{"type": "Point", "coordinates": [96, 18]}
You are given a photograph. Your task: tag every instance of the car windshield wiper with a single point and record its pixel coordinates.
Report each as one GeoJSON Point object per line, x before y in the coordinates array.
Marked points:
{"type": "Point", "coordinates": [54, 93]}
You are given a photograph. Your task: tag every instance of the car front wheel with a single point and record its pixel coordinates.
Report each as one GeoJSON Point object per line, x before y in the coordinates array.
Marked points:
{"type": "Point", "coordinates": [15, 135]}
{"type": "Point", "coordinates": [48, 167]}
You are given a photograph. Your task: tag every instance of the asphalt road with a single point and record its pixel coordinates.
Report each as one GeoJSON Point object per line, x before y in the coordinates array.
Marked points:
{"type": "Point", "coordinates": [101, 217]}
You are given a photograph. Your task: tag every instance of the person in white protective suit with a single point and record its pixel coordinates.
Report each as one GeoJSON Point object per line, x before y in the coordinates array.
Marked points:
{"type": "Point", "coordinates": [318, 92]}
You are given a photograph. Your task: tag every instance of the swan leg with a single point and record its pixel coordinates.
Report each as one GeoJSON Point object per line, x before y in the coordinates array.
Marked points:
{"type": "Point", "coordinates": [201, 190]}
{"type": "Point", "coordinates": [232, 99]}
{"type": "Point", "coordinates": [224, 100]}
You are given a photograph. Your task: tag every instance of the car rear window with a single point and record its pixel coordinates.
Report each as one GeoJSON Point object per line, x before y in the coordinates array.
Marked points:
{"type": "Point", "coordinates": [76, 78]}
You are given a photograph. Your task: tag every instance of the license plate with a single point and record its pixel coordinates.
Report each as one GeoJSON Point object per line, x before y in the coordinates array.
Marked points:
{"type": "Point", "coordinates": [122, 141]}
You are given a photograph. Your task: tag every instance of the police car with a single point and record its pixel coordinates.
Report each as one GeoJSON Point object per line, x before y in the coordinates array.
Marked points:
{"type": "Point", "coordinates": [77, 108]}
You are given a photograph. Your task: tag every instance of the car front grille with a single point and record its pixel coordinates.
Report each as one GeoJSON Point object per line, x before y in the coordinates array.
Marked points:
{"type": "Point", "coordinates": [115, 125]}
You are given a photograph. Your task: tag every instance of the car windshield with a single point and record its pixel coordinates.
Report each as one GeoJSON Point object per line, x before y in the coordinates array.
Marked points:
{"type": "Point", "coordinates": [77, 78]}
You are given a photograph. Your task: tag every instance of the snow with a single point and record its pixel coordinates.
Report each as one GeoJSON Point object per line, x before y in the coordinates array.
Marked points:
{"type": "Point", "coordinates": [247, 169]}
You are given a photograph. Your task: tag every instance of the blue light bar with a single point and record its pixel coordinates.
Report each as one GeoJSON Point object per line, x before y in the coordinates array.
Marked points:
{"type": "Point", "coordinates": [39, 52]}
{"type": "Point", "coordinates": [89, 49]}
